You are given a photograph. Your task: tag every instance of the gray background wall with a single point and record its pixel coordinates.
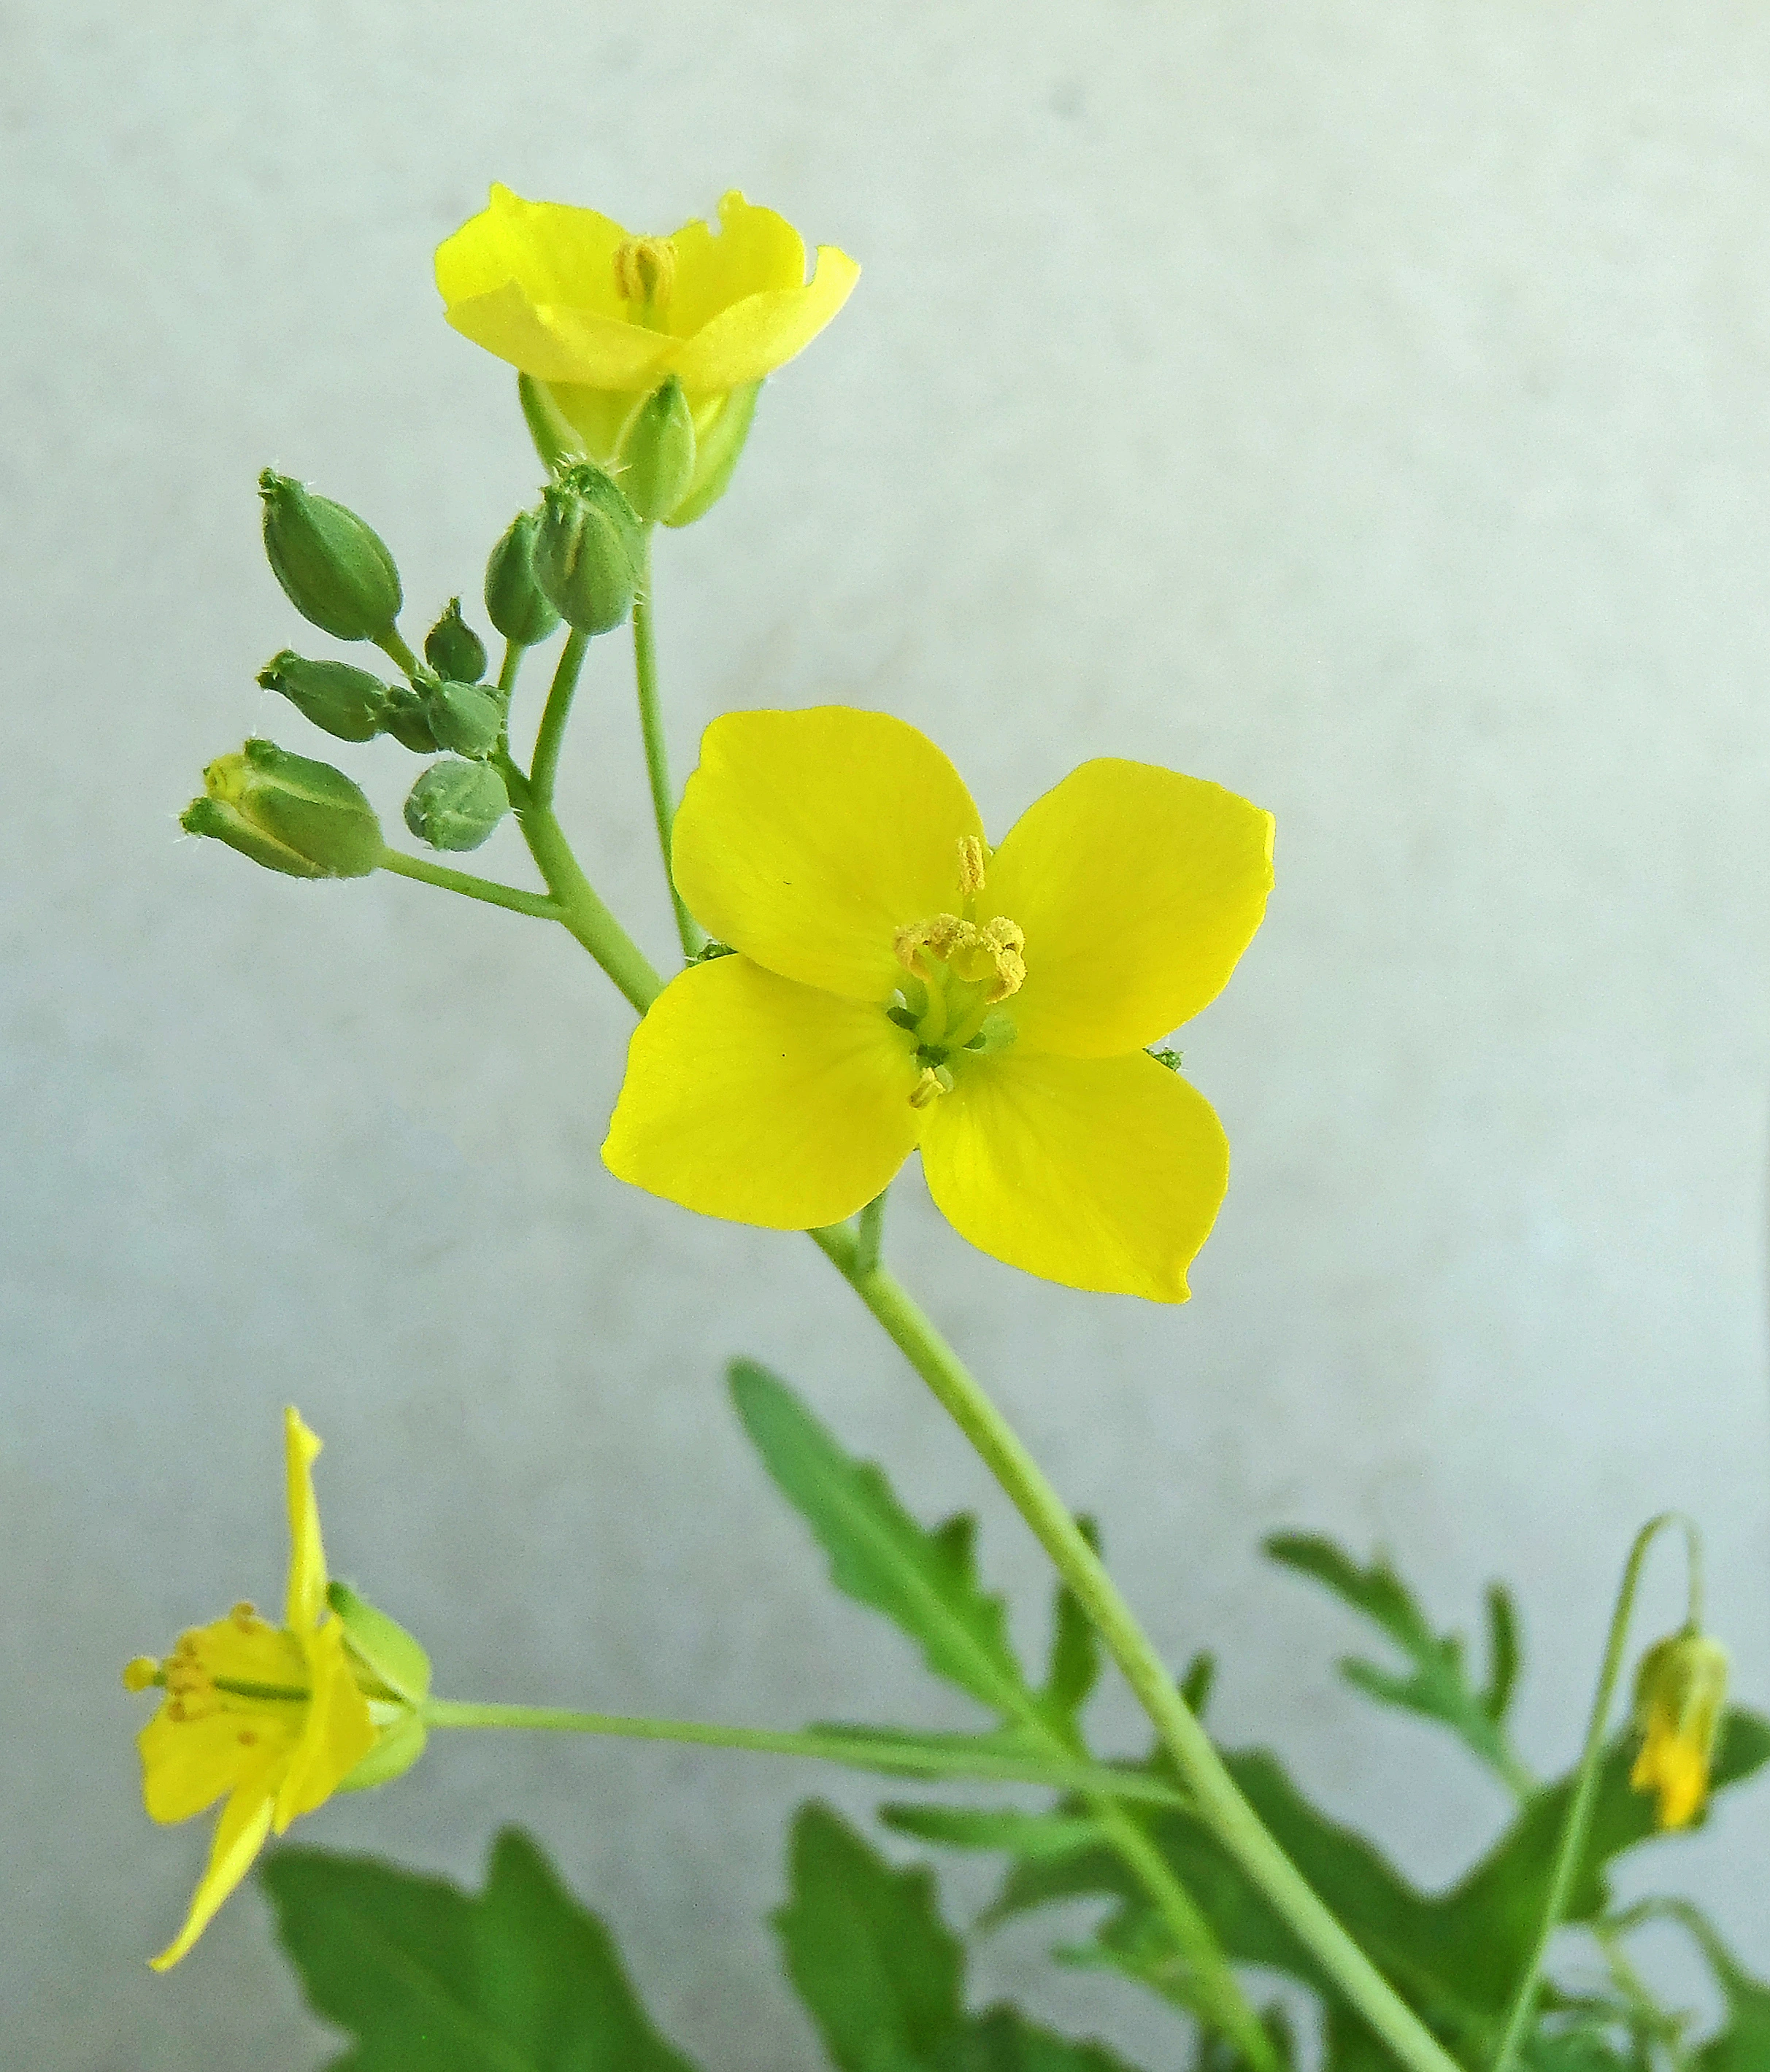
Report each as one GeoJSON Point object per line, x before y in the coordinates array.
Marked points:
{"type": "Point", "coordinates": [1361, 404]}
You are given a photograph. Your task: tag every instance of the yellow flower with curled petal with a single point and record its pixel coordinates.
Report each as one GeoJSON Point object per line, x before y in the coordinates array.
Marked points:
{"type": "Point", "coordinates": [897, 984]}
{"type": "Point", "coordinates": [271, 1717]}
{"type": "Point", "coordinates": [1681, 1692]}
{"type": "Point", "coordinates": [603, 317]}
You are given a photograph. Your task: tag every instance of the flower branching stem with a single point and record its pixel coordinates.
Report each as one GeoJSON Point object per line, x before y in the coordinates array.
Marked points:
{"type": "Point", "coordinates": [541, 905]}
{"type": "Point", "coordinates": [1571, 1851]}
{"type": "Point", "coordinates": [1217, 1799]}
{"type": "Point", "coordinates": [657, 761]}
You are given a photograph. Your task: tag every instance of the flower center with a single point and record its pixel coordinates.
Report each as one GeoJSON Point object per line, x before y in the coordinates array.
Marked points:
{"type": "Point", "coordinates": [645, 273]}
{"type": "Point", "coordinates": [240, 1664]}
{"type": "Point", "coordinates": [961, 971]}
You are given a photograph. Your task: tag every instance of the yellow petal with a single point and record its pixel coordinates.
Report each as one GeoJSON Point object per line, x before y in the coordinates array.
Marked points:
{"type": "Point", "coordinates": [189, 1764]}
{"type": "Point", "coordinates": [307, 1556]}
{"type": "Point", "coordinates": [554, 341]}
{"type": "Point", "coordinates": [337, 1731]}
{"type": "Point", "coordinates": [749, 1097]}
{"type": "Point", "coordinates": [753, 251]}
{"type": "Point", "coordinates": [752, 338]}
{"type": "Point", "coordinates": [1137, 889]}
{"type": "Point", "coordinates": [554, 254]}
{"type": "Point", "coordinates": [808, 839]}
{"type": "Point", "coordinates": [1102, 1172]}
{"type": "Point", "coordinates": [239, 1835]}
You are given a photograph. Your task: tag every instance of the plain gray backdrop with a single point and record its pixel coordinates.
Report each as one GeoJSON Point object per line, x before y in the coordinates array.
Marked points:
{"type": "Point", "coordinates": [1363, 404]}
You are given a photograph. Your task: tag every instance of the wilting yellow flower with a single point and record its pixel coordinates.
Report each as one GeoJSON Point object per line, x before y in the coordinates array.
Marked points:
{"type": "Point", "coordinates": [271, 1716]}
{"type": "Point", "coordinates": [898, 984]}
{"type": "Point", "coordinates": [1680, 1693]}
{"type": "Point", "coordinates": [603, 317]}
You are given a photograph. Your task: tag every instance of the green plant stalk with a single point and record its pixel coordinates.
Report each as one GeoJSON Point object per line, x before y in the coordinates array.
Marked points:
{"type": "Point", "coordinates": [396, 652]}
{"type": "Point", "coordinates": [854, 1751]}
{"type": "Point", "coordinates": [541, 905]}
{"type": "Point", "coordinates": [657, 761]}
{"type": "Point", "coordinates": [1570, 1852]}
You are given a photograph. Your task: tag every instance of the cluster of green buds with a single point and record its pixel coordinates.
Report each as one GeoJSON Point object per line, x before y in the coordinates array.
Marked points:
{"type": "Point", "coordinates": [577, 558]}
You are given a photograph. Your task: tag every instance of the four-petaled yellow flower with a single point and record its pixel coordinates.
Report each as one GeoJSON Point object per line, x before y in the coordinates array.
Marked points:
{"type": "Point", "coordinates": [271, 1716]}
{"type": "Point", "coordinates": [603, 317]}
{"type": "Point", "coordinates": [898, 984]}
{"type": "Point", "coordinates": [1681, 1692]}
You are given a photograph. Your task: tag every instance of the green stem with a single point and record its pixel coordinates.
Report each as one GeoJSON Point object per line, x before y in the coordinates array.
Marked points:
{"type": "Point", "coordinates": [539, 904]}
{"type": "Point", "coordinates": [1571, 1851]}
{"type": "Point", "coordinates": [396, 652]}
{"type": "Point", "coordinates": [855, 1751]}
{"type": "Point", "coordinates": [582, 912]}
{"type": "Point", "coordinates": [657, 763]}
{"type": "Point", "coordinates": [870, 1233]}
{"type": "Point", "coordinates": [551, 737]}
{"type": "Point", "coordinates": [1218, 1801]}
{"type": "Point", "coordinates": [513, 653]}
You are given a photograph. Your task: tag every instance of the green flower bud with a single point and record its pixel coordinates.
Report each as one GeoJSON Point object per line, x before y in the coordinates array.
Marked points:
{"type": "Point", "coordinates": [718, 450]}
{"type": "Point", "coordinates": [341, 700]}
{"type": "Point", "coordinates": [453, 649]}
{"type": "Point", "coordinates": [303, 818]}
{"type": "Point", "coordinates": [514, 601]}
{"type": "Point", "coordinates": [465, 718]}
{"type": "Point", "coordinates": [456, 805]}
{"type": "Point", "coordinates": [333, 567]}
{"type": "Point", "coordinates": [587, 550]}
{"type": "Point", "coordinates": [656, 455]}
{"type": "Point", "coordinates": [407, 720]}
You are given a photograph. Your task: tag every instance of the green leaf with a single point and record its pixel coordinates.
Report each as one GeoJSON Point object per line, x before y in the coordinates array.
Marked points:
{"type": "Point", "coordinates": [1075, 1652]}
{"type": "Point", "coordinates": [429, 1979]}
{"type": "Point", "coordinates": [1036, 1836]}
{"type": "Point", "coordinates": [1004, 2041]}
{"type": "Point", "coordinates": [1197, 1682]}
{"type": "Point", "coordinates": [926, 1582]}
{"type": "Point", "coordinates": [867, 1951]}
{"type": "Point", "coordinates": [1437, 1686]}
{"type": "Point", "coordinates": [1744, 2045]}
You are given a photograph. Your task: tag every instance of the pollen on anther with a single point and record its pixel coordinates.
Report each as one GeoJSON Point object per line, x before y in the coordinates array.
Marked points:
{"type": "Point", "coordinates": [970, 865]}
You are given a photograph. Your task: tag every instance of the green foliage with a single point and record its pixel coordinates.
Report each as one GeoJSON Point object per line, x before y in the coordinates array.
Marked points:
{"type": "Point", "coordinates": [883, 1976]}
{"type": "Point", "coordinates": [1438, 1688]}
{"type": "Point", "coordinates": [426, 1977]}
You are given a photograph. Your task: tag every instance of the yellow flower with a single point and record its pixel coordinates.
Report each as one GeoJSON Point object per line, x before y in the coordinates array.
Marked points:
{"type": "Point", "coordinates": [603, 317]}
{"type": "Point", "coordinates": [1680, 1693]}
{"type": "Point", "coordinates": [897, 985]}
{"type": "Point", "coordinates": [272, 1717]}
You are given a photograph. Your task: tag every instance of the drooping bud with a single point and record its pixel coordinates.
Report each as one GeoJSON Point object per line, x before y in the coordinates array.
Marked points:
{"type": "Point", "coordinates": [455, 805]}
{"type": "Point", "coordinates": [333, 567]}
{"type": "Point", "coordinates": [453, 649]}
{"type": "Point", "coordinates": [300, 817]}
{"type": "Point", "coordinates": [339, 699]}
{"type": "Point", "coordinates": [1681, 1692]}
{"type": "Point", "coordinates": [407, 719]}
{"type": "Point", "coordinates": [657, 456]}
{"type": "Point", "coordinates": [588, 548]}
{"type": "Point", "coordinates": [466, 718]}
{"type": "Point", "coordinates": [717, 448]}
{"type": "Point", "coordinates": [515, 602]}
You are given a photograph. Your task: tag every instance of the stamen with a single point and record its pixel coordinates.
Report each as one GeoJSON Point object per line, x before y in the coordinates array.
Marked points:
{"type": "Point", "coordinates": [934, 1081]}
{"type": "Point", "coordinates": [142, 1674]}
{"type": "Point", "coordinates": [645, 271]}
{"type": "Point", "coordinates": [938, 938]}
{"type": "Point", "coordinates": [1007, 943]}
{"type": "Point", "coordinates": [970, 865]}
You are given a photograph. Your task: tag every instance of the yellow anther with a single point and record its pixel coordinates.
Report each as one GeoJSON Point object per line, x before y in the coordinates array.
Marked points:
{"type": "Point", "coordinates": [993, 953]}
{"type": "Point", "coordinates": [970, 865]}
{"type": "Point", "coordinates": [645, 270]}
{"type": "Point", "coordinates": [934, 1081]}
{"type": "Point", "coordinates": [142, 1674]}
{"type": "Point", "coordinates": [940, 937]}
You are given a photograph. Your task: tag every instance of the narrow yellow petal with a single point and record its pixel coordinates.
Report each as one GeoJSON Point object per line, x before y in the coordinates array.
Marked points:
{"type": "Point", "coordinates": [808, 839]}
{"type": "Point", "coordinates": [337, 1733]}
{"type": "Point", "coordinates": [306, 1554]}
{"type": "Point", "coordinates": [239, 1835]}
{"type": "Point", "coordinates": [749, 1097]}
{"type": "Point", "coordinates": [553, 253]}
{"type": "Point", "coordinates": [752, 338]}
{"type": "Point", "coordinates": [1137, 889]}
{"type": "Point", "coordinates": [1101, 1172]}
{"type": "Point", "coordinates": [753, 251]}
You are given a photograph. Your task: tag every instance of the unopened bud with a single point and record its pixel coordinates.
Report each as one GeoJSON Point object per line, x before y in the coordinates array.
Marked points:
{"type": "Point", "coordinates": [587, 551]}
{"type": "Point", "coordinates": [456, 805]}
{"type": "Point", "coordinates": [333, 567]}
{"type": "Point", "coordinates": [339, 699]}
{"type": "Point", "coordinates": [1681, 1692]}
{"type": "Point", "coordinates": [515, 602]}
{"type": "Point", "coordinates": [453, 649]}
{"type": "Point", "coordinates": [657, 452]}
{"type": "Point", "coordinates": [467, 718]}
{"type": "Point", "coordinates": [407, 719]}
{"type": "Point", "coordinates": [300, 817]}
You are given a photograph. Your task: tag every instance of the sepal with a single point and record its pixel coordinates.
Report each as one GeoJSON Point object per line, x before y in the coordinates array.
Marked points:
{"type": "Point", "coordinates": [381, 1645]}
